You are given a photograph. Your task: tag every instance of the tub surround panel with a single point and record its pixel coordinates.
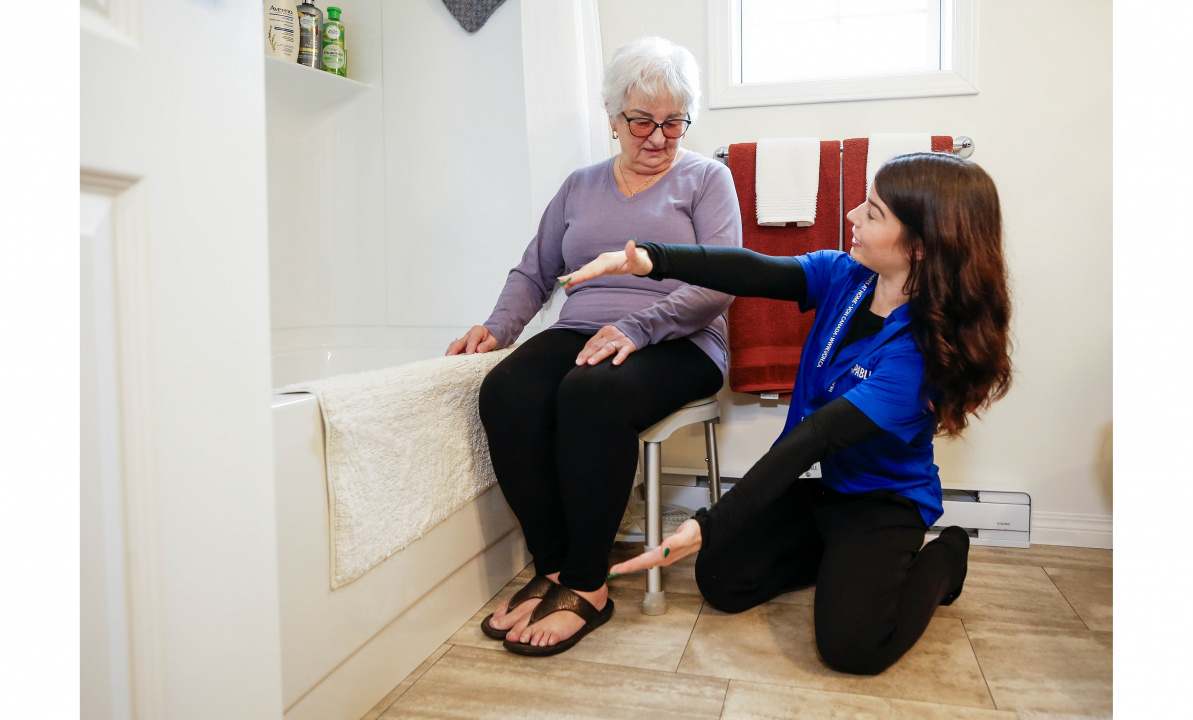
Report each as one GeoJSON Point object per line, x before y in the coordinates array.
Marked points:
{"type": "Point", "coordinates": [457, 163]}
{"type": "Point", "coordinates": [327, 241]}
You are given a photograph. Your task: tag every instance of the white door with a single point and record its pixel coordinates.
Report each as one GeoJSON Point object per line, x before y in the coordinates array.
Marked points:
{"type": "Point", "coordinates": [179, 562]}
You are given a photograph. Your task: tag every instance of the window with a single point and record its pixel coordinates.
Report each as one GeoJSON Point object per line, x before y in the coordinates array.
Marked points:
{"type": "Point", "coordinates": [780, 52]}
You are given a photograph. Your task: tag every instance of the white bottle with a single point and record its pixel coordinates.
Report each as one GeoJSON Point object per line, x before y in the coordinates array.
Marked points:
{"type": "Point", "coordinates": [281, 29]}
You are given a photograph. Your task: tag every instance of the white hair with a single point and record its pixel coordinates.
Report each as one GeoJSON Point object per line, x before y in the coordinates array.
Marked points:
{"type": "Point", "coordinates": [657, 68]}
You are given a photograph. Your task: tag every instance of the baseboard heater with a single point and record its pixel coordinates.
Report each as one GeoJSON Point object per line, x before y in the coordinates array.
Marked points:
{"type": "Point", "coordinates": [1001, 519]}
{"type": "Point", "coordinates": [991, 518]}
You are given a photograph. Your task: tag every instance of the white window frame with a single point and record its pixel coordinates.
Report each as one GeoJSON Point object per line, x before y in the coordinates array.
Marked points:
{"type": "Point", "coordinates": [724, 28]}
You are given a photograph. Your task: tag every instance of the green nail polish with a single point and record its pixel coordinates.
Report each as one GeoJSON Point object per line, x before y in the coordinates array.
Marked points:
{"type": "Point", "coordinates": [666, 552]}
{"type": "Point", "coordinates": [613, 575]}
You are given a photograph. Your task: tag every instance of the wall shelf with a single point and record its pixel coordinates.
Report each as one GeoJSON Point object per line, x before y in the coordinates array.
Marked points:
{"type": "Point", "coordinates": [302, 93]}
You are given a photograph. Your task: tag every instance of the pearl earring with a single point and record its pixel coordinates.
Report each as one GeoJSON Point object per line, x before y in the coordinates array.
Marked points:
{"type": "Point", "coordinates": [614, 134]}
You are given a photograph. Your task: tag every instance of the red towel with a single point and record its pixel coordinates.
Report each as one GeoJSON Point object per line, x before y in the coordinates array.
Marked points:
{"type": "Point", "coordinates": [767, 336]}
{"type": "Point", "coordinates": [853, 174]}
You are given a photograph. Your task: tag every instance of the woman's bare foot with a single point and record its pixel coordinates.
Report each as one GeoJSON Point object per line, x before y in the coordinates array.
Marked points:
{"type": "Point", "coordinates": [505, 620]}
{"type": "Point", "coordinates": [557, 626]}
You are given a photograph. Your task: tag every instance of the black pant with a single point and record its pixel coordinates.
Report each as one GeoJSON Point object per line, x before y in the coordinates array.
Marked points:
{"type": "Point", "coordinates": [564, 440]}
{"type": "Point", "coordinates": [876, 589]}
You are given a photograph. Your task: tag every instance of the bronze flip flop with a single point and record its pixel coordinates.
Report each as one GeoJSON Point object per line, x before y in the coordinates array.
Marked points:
{"type": "Point", "coordinates": [537, 588]}
{"type": "Point", "coordinates": [561, 598]}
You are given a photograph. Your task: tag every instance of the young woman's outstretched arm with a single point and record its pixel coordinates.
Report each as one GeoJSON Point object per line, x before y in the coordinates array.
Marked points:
{"type": "Point", "coordinates": [734, 271]}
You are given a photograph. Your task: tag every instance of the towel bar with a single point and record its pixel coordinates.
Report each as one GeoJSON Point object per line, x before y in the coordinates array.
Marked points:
{"type": "Point", "coordinates": [962, 147]}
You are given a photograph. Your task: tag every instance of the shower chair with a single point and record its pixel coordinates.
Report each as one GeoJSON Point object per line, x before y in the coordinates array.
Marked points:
{"type": "Point", "coordinates": [707, 411]}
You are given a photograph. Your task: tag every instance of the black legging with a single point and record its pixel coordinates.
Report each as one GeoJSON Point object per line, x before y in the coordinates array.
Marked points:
{"type": "Point", "coordinates": [564, 440]}
{"type": "Point", "coordinates": [876, 589]}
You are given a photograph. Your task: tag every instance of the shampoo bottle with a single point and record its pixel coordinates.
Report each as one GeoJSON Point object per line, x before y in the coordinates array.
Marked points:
{"type": "Point", "coordinates": [335, 58]}
{"type": "Point", "coordinates": [281, 29]}
{"type": "Point", "coordinates": [310, 30]}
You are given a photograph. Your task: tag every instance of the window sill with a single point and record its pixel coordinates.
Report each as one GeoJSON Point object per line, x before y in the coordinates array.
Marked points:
{"type": "Point", "coordinates": [934, 84]}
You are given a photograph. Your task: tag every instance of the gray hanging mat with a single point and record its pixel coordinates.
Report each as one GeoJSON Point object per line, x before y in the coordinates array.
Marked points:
{"type": "Point", "coordinates": [472, 14]}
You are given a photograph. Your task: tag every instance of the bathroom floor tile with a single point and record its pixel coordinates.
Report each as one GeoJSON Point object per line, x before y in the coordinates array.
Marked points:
{"type": "Point", "coordinates": [1015, 644]}
{"type": "Point", "coordinates": [677, 577]}
{"type": "Point", "coordinates": [406, 684]}
{"type": "Point", "coordinates": [1035, 715]}
{"type": "Point", "coordinates": [630, 638]}
{"type": "Point", "coordinates": [473, 684]}
{"type": "Point", "coordinates": [775, 643]}
{"type": "Point", "coordinates": [1090, 592]}
{"type": "Point", "coordinates": [806, 596]}
{"type": "Point", "coordinates": [1011, 593]}
{"type": "Point", "coordinates": [470, 632]}
{"type": "Point", "coordinates": [916, 710]}
{"type": "Point", "coordinates": [1046, 669]}
{"type": "Point", "coordinates": [758, 701]}
{"type": "Point", "coordinates": [1057, 556]}
{"type": "Point", "coordinates": [634, 640]}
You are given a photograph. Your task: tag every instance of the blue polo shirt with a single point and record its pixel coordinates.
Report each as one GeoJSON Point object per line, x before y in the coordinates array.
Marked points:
{"type": "Point", "coordinates": [881, 375]}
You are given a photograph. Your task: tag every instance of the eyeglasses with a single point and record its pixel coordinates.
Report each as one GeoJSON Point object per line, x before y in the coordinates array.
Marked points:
{"type": "Point", "coordinates": [644, 127]}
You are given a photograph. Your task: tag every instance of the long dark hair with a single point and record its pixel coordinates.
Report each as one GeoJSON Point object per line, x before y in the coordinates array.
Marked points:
{"type": "Point", "coordinates": [961, 307]}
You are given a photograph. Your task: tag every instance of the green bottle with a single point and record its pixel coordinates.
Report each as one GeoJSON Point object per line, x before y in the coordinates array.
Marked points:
{"type": "Point", "coordinates": [335, 59]}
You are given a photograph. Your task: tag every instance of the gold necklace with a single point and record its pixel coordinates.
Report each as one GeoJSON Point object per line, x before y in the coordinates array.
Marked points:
{"type": "Point", "coordinates": [633, 192]}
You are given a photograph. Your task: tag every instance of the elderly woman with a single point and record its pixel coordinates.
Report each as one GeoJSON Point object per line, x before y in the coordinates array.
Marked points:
{"type": "Point", "coordinates": [563, 411]}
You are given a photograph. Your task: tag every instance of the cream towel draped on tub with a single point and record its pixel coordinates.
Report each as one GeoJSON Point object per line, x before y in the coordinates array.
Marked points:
{"type": "Point", "coordinates": [405, 449]}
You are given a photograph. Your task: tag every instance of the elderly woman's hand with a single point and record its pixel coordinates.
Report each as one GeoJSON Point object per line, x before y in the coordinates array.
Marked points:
{"type": "Point", "coordinates": [609, 341]}
{"type": "Point", "coordinates": [684, 542]}
{"type": "Point", "coordinates": [632, 260]}
{"type": "Point", "coordinates": [477, 340]}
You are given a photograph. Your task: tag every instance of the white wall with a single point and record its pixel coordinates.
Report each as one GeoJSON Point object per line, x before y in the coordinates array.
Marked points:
{"type": "Point", "coordinates": [1041, 125]}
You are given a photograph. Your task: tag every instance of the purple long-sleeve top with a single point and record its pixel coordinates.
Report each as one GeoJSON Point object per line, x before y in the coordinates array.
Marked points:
{"type": "Point", "coordinates": [695, 203]}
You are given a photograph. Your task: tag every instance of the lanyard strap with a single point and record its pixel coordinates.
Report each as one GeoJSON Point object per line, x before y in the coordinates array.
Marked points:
{"type": "Point", "coordinates": [857, 298]}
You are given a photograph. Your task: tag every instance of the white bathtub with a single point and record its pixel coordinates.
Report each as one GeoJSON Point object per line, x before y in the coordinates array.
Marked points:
{"type": "Point", "coordinates": [343, 651]}
{"type": "Point", "coordinates": [309, 353]}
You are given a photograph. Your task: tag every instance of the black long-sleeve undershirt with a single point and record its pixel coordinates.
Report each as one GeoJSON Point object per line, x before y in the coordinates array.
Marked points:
{"type": "Point", "coordinates": [830, 429]}
{"type": "Point", "coordinates": [734, 271]}
{"type": "Point", "coordinates": [745, 273]}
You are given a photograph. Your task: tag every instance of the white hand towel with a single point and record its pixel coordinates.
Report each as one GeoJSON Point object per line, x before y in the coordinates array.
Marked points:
{"type": "Point", "coordinates": [884, 146]}
{"type": "Point", "coordinates": [786, 180]}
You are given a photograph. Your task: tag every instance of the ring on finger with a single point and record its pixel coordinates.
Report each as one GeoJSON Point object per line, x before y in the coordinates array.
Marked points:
{"type": "Point", "coordinates": [613, 344]}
